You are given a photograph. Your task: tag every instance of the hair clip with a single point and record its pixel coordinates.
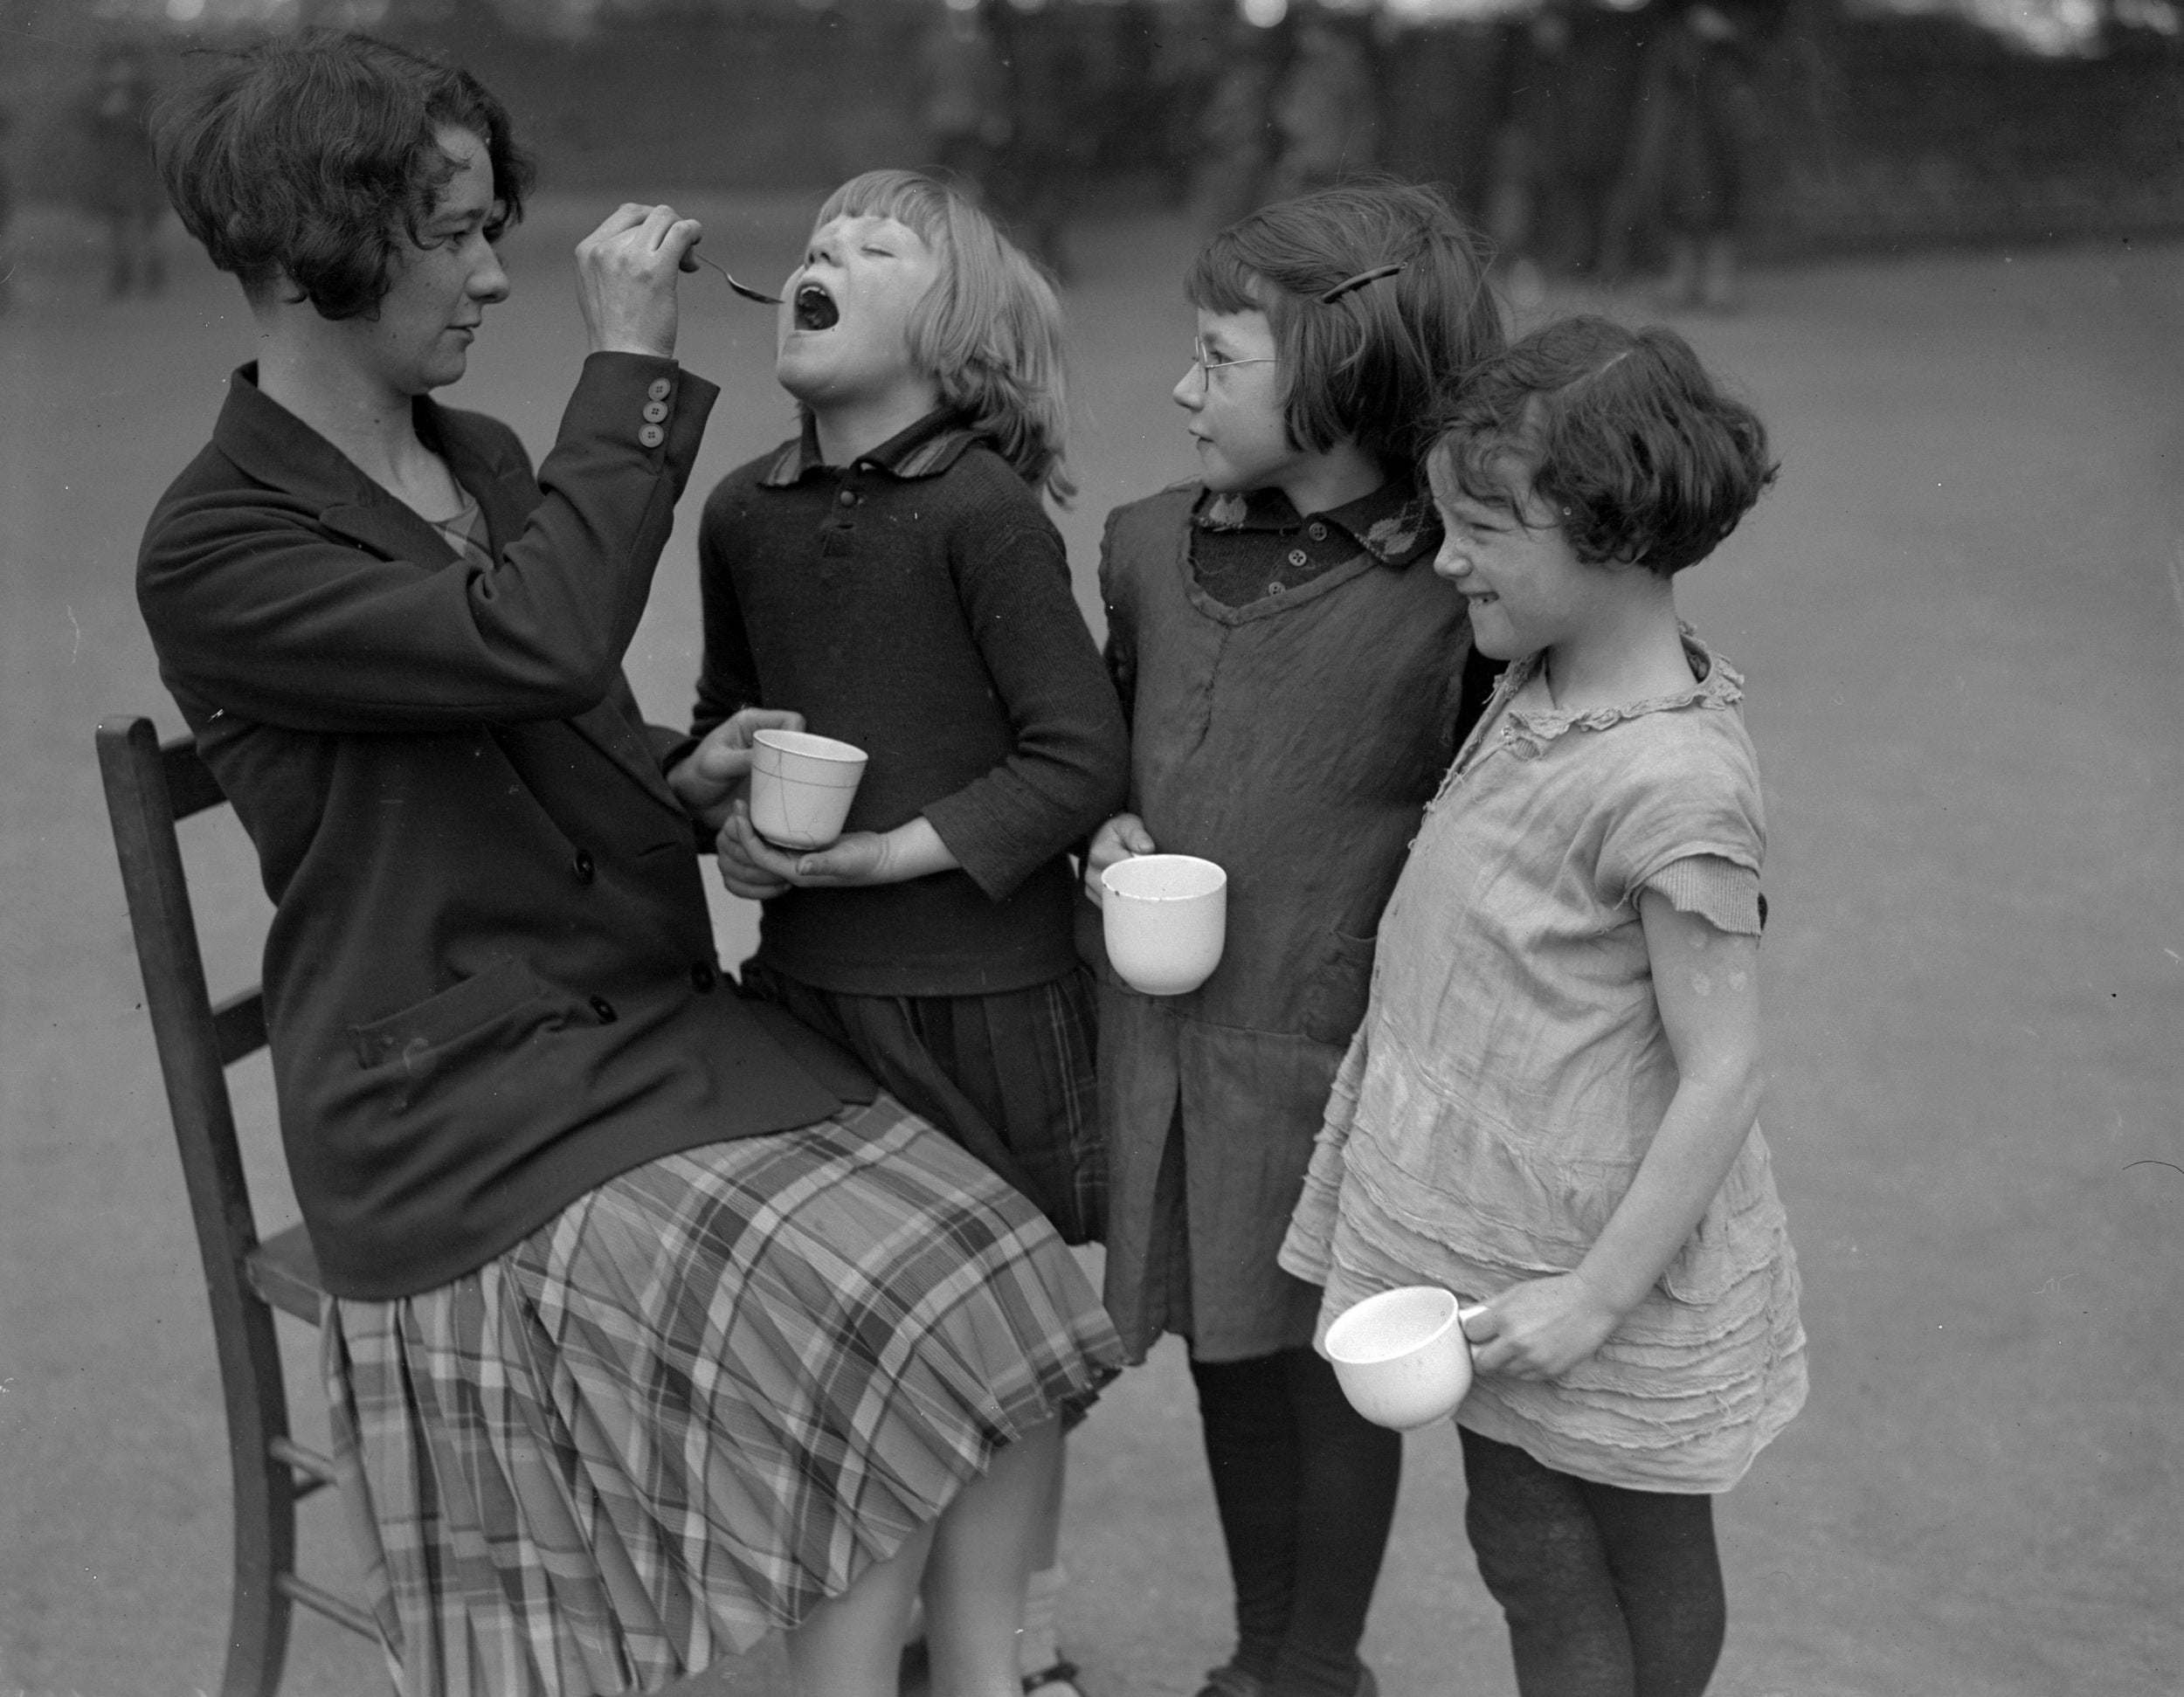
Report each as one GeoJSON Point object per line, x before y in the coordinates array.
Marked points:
{"type": "Point", "coordinates": [1358, 282]}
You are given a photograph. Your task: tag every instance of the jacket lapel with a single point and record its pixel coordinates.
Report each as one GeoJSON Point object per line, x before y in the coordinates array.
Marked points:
{"type": "Point", "coordinates": [270, 444]}
{"type": "Point", "coordinates": [388, 527]}
{"type": "Point", "coordinates": [507, 492]}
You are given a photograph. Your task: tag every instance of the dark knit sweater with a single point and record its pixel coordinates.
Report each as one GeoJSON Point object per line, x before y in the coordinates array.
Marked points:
{"type": "Point", "coordinates": [917, 604]}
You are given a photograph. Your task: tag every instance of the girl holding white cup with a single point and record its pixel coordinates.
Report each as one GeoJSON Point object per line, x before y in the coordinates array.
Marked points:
{"type": "Point", "coordinates": [1294, 674]}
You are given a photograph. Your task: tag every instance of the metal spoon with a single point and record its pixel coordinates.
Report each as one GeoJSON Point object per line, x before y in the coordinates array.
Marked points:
{"type": "Point", "coordinates": [743, 289]}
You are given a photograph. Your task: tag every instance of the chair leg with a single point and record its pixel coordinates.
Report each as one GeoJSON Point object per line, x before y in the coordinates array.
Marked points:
{"type": "Point", "coordinates": [258, 1624]}
{"type": "Point", "coordinates": [265, 1510]}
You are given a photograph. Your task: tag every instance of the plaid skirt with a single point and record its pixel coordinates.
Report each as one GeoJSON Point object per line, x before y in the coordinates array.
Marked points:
{"type": "Point", "coordinates": [701, 1400]}
{"type": "Point", "coordinates": [1012, 1077]}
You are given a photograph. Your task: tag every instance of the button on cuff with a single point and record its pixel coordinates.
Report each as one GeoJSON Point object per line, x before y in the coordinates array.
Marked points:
{"type": "Point", "coordinates": [652, 436]}
{"type": "Point", "coordinates": [659, 389]}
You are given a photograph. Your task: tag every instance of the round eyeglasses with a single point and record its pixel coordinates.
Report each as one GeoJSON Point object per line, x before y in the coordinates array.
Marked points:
{"type": "Point", "coordinates": [1207, 365]}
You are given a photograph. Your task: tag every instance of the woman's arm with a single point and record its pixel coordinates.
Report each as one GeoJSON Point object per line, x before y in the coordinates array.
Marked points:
{"type": "Point", "coordinates": [274, 579]}
{"type": "Point", "coordinates": [1707, 983]}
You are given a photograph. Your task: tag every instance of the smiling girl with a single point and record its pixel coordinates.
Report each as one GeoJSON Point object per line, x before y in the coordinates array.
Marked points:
{"type": "Point", "coordinates": [1550, 1107]}
{"type": "Point", "coordinates": [892, 577]}
{"type": "Point", "coordinates": [1293, 671]}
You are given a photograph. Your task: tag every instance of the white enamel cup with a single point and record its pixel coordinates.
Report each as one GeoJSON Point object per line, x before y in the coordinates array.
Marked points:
{"type": "Point", "coordinates": [1165, 918]}
{"type": "Point", "coordinates": [1401, 1357]}
{"type": "Point", "coordinates": [801, 786]}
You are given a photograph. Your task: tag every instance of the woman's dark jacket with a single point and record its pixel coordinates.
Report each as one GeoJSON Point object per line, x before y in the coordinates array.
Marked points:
{"type": "Point", "coordinates": [490, 978]}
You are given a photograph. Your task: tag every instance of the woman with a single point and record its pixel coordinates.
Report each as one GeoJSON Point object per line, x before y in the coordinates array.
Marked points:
{"type": "Point", "coordinates": [653, 1325]}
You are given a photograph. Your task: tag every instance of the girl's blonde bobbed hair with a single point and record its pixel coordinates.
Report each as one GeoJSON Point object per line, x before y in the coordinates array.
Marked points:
{"type": "Point", "coordinates": [988, 330]}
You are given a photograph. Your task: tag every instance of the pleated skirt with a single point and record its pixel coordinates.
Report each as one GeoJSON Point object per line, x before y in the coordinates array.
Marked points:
{"type": "Point", "coordinates": [1012, 1077]}
{"type": "Point", "coordinates": [701, 1400]}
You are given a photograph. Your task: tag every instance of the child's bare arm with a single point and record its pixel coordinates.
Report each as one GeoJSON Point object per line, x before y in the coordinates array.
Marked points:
{"type": "Point", "coordinates": [1707, 983]}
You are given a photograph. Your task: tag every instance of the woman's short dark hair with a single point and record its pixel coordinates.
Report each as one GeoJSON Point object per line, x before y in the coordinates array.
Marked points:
{"type": "Point", "coordinates": [310, 160]}
{"type": "Point", "coordinates": [1365, 366]}
{"type": "Point", "coordinates": [1629, 444]}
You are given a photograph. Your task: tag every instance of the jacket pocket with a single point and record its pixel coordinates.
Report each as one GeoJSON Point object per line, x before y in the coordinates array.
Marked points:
{"type": "Point", "coordinates": [1335, 1001]}
{"type": "Point", "coordinates": [420, 1040]}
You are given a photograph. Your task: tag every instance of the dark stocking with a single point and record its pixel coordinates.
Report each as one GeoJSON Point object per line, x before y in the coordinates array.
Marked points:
{"type": "Point", "coordinates": [1306, 1488]}
{"type": "Point", "coordinates": [1608, 1592]}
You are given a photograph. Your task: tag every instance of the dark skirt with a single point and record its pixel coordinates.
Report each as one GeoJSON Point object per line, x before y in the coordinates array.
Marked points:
{"type": "Point", "coordinates": [1012, 1077]}
{"type": "Point", "coordinates": [701, 1400]}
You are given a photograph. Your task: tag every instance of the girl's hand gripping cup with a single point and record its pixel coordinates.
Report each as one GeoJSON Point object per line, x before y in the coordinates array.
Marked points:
{"type": "Point", "coordinates": [801, 786]}
{"type": "Point", "coordinates": [1165, 918]}
{"type": "Point", "coordinates": [1401, 1357]}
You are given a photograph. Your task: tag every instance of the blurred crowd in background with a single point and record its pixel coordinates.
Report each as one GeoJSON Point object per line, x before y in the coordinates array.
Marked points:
{"type": "Point", "coordinates": [119, 186]}
{"type": "Point", "coordinates": [1619, 133]}
{"type": "Point", "coordinates": [1611, 139]}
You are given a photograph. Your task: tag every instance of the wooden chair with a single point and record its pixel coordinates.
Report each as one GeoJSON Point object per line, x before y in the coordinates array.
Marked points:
{"type": "Point", "coordinates": [148, 787]}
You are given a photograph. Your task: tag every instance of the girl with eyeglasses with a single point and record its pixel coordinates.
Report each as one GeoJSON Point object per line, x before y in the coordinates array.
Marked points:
{"type": "Point", "coordinates": [1295, 674]}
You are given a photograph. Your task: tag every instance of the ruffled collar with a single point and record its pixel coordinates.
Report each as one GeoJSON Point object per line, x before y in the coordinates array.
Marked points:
{"type": "Point", "coordinates": [1525, 730]}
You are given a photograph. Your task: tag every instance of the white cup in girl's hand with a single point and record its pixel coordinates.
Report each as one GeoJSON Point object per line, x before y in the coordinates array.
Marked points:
{"type": "Point", "coordinates": [1165, 918]}
{"type": "Point", "coordinates": [1401, 1357]}
{"type": "Point", "coordinates": [801, 786]}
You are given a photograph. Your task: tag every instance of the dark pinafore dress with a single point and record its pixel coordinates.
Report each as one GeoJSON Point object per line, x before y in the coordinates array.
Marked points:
{"type": "Point", "coordinates": [1295, 741]}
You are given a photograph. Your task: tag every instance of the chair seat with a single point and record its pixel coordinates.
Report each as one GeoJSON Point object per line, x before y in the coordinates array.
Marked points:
{"type": "Point", "coordinates": [285, 1271]}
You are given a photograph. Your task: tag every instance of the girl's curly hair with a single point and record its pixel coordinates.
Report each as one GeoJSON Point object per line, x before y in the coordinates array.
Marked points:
{"type": "Point", "coordinates": [1627, 443]}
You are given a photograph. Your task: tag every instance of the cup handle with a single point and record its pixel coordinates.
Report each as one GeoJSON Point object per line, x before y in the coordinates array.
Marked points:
{"type": "Point", "coordinates": [1465, 1312]}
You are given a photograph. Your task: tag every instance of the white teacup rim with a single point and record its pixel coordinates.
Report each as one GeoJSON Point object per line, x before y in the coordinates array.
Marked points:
{"type": "Point", "coordinates": [810, 745]}
{"type": "Point", "coordinates": [1218, 882]}
{"type": "Point", "coordinates": [1458, 1312]}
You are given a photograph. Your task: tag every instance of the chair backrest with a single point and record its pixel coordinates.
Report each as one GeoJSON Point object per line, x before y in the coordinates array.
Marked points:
{"type": "Point", "coordinates": [148, 787]}
{"type": "Point", "coordinates": [149, 790]}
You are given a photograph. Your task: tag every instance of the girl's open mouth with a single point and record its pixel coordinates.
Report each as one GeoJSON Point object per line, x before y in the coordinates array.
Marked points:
{"type": "Point", "coordinates": [815, 308]}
